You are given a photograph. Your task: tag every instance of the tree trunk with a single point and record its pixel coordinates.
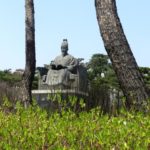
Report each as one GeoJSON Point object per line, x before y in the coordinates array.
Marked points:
{"type": "Point", "coordinates": [28, 75]}
{"type": "Point", "coordinates": [119, 51]}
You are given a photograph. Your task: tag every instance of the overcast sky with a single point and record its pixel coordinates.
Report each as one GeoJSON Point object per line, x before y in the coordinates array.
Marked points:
{"type": "Point", "coordinates": [71, 19]}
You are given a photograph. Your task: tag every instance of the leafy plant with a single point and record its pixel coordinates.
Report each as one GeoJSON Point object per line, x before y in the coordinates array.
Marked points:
{"type": "Point", "coordinates": [33, 128]}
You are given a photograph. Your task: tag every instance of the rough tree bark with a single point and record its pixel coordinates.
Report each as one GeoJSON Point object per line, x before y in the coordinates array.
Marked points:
{"type": "Point", "coordinates": [119, 51]}
{"type": "Point", "coordinates": [30, 53]}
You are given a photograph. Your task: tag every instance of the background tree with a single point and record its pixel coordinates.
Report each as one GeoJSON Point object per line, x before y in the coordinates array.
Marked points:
{"type": "Point", "coordinates": [102, 81]}
{"type": "Point", "coordinates": [146, 75]}
{"type": "Point", "coordinates": [119, 51]}
{"type": "Point", "coordinates": [28, 75]}
{"type": "Point", "coordinates": [97, 65]}
{"type": "Point", "coordinates": [100, 71]}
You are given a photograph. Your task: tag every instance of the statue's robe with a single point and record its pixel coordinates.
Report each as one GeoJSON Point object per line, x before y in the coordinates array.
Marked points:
{"type": "Point", "coordinates": [61, 76]}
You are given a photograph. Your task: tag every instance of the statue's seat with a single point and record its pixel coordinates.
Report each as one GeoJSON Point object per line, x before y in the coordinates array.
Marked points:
{"type": "Point", "coordinates": [72, 81]}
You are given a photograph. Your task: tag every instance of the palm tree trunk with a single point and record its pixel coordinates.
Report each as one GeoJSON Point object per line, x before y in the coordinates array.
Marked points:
{"type": "Point", "coordinates": [119, 51]}
{"type": "Point", "coordinates": [28, 75]}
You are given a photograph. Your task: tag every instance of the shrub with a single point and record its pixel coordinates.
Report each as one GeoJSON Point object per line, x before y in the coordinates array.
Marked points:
{"type": "Point", "coordinates": [34, 129]}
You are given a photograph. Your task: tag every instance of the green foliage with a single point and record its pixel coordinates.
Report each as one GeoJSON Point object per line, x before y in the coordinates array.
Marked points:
{"type": "Point", "coordinates": [146, 75]}
{"type": "Point", "coordinates": [35, 83]}
{"type": "Point", "coordinates": [7, 76]}
{"type": "Point", "coordinates": [100, 72]}
{"type": "Point", "coordinates": [97, 65]}
{"type": "Point", "coordinates": [12, 78]}
{"type": "Point", "coordinates": [34, 129]}
{"type": "Point", "coordinates": [102, 80]}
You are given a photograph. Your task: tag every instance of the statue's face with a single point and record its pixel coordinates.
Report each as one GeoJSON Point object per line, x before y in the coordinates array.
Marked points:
{"type": "Point", "coordinates": [64, 51]}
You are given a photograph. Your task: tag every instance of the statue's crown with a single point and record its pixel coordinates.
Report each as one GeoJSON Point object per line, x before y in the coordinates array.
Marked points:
{"type": "Point", "coordinates": [64, 44]}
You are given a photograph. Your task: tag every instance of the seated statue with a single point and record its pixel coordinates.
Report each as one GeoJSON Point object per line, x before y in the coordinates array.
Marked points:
{"type": "Point", "coordinates": [62, 66]}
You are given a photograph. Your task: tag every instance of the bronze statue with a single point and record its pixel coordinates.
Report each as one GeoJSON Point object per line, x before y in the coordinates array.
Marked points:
{"type": "Point", "coordinates": [63, 65]}
{"type": "Point", "coordinates": [65, 73]}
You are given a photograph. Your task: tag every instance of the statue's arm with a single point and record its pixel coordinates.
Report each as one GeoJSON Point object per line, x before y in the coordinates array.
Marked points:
{"type": "Point", "coordinates": [74, 63]}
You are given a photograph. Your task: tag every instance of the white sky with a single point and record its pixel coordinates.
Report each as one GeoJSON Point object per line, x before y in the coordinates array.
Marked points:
{"type": "Point", "coordinates": [71, 19]}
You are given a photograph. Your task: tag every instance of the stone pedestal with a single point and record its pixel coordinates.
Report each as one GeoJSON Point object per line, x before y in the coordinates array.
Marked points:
{"type": "Point", "coordinates": [50, 99]}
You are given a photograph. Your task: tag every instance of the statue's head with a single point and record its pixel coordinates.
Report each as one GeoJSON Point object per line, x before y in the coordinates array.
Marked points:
{"type": "Point", "coordinates": [64, 47]}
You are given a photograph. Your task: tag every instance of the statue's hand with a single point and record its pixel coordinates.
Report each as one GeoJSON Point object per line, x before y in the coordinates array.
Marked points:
{"type": "Point", "coordinates": [59, 67]}
{"type": "Point", "coordinates": [70, 68]}
{"type": "Point", "coordinates": [53, 66]}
